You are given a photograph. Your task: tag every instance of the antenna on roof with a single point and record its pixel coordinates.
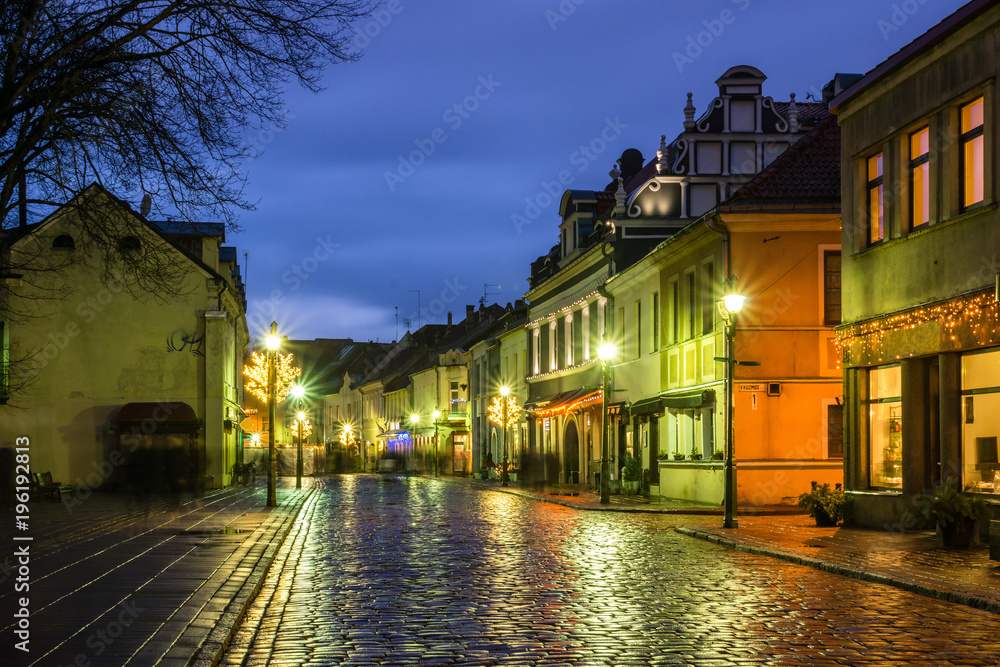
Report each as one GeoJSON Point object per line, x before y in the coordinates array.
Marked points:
{"type": "Point", "coordinates": [146, 206]}
{"type": "Point", "coordinates": [487, 292]}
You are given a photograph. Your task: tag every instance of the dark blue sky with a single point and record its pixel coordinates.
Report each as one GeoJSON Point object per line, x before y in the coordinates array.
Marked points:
{"type": "Point", "coordinates": [427, 165]}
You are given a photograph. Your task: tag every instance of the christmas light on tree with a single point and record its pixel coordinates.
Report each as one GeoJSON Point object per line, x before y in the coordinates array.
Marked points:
{"type": "Point", "coordinates": [307, 428]}
{"type": "Point", "coordinates": [496, 411]}
{"type": "Point", "coordinates": [256, 374]}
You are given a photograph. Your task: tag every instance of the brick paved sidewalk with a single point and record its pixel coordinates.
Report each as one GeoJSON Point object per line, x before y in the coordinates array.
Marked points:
{"type": "Point", "coordinates": [915, 561]}
{"type": "Point", "coordinates": [111, 583]}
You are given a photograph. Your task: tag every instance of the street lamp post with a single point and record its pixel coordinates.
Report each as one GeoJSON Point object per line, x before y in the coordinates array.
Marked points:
{"type": "Point", "coordinates": [729, 307]}
{"type": "Point", "coordinates": [273, 343]}
{"type": "Point", "coordinates": [414, 419]}
{"type": "Point", "coordinates": [605, 352]}
{"type": "Point", "coordinates": [437, 416]}
{"type": "Point", "coordinates": [504, 474]}
{"type": "Point", "coordinates": [298, 391]}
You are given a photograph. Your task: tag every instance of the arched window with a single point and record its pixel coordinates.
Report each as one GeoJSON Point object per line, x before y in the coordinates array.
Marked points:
{"type": "Point", "coordinates": [128, 244]}
{"type": "Point", "coordinates": [63, 242]}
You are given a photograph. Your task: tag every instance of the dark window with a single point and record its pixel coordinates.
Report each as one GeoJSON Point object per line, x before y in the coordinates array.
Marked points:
{"type": "Point", "coordinates": [831, 287]}
{"type": "Point", "coordinates": [63, 242]}
{"type": "Point", "coordinates": [129, 244]}
{"type": "Point", "coordinates": [835, 431]}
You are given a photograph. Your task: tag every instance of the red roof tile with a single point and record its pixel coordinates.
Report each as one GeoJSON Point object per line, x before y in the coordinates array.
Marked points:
{"type": "Point", "coordinates": [808, 171]}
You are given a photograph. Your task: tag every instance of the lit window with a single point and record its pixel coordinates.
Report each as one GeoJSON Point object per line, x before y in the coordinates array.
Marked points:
{"type": "Point", "coordinates": [886, 427]}
{"type": "Point", "coordinates": [655, 341]}
{"type": "Point", "coordinates": [920, 182]}
{"type": "Point", "coordinates": [972, 153]}
{"type": "Point", "coordinates": [876, 221]}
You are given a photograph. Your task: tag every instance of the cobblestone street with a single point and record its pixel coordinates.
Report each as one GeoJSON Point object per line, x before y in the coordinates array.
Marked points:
{"type": "Point", "coordinates": [384, 570]}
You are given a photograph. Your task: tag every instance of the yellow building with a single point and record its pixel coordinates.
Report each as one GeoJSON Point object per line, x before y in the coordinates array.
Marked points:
{"type": "Point", "coordinates": [105, 361]}
{"type": "Point", "coordinates": [779, 236]}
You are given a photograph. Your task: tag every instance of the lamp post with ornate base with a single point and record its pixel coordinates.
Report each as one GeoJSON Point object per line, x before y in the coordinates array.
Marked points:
{"type": "Point", "coordinates": [729, 307]}
{"type": "Point", "coordinates": [273, 343]}
{"type": "Point", "coordinates": [605, 353]}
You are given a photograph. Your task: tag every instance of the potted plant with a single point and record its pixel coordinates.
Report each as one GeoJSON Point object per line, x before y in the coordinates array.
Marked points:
{"type": "Point", "coordinates": [824, 504]}
{"type": "Point", "coordinates": [718, 455]}
{"type": "Point", "coordinates": [695, 454]}
{"type": "Point", "coordinates": [678, 456]}
{"type": "Point", "coordinates": [630, 474]}
{"type": "Point", "coordinates": [953, 512]}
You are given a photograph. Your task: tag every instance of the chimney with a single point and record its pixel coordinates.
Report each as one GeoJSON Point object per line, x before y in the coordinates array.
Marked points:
{"type": "Point", "coordinates": [449, 318]}
{"type": "Point", "coordinates": [469, 311]}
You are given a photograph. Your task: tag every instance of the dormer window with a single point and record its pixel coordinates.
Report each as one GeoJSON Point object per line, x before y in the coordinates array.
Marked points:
{"type": "Point", "coordinates": [129, 244]}
{"type": "Point", "coordinates": [63, 242]}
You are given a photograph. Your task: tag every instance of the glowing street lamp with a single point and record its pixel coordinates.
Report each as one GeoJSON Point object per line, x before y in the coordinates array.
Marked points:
{"type": "Point", "coordinates": [504, 411]}
{"type": "Point", "coordinates": [273, 344]}
{"type": "Point", "coordinates": [606, 352]}
{"type": "Point", "coordinates": [437, 416]}
{"type": "Point", "coordinates": [729, 307]}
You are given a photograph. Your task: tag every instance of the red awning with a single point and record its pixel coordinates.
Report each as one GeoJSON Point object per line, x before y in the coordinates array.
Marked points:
{"type": "Point", "coordinates": [159, 417]}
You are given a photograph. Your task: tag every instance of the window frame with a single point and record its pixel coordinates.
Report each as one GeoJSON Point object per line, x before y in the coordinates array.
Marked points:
{"type": "Point", "coordinates": [872, 184]}
{"type": "Point", "coordinates": [968, 138]}
{"type": "Point", "coordinates": [915, 165]}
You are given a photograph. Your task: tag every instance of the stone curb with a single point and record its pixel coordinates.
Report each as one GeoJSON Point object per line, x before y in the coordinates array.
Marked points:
{"type": "Point", "coordinates": [836, 568]}
{"type": "Point", "coordinates": [211, 650]}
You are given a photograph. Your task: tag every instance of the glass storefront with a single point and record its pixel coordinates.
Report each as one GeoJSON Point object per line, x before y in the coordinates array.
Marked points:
{"type": "Point", "coordinates": [981, 421]}
{"type": "Point", "coordinates": [885, 427]}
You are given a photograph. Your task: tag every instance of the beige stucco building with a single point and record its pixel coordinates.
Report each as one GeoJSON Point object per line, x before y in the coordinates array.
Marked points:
{"type": "Point", "coordinates": [104, 363]}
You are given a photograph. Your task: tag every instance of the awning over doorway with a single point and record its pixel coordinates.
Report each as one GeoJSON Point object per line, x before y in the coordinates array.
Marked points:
{"type": "Point", "coordinates": [157, 417]}
{"type": "Point", "coordinates": [563, 402]}
{"type": "Point", "coordinates": [690, 400]}
{"type": "Point", "coordinates": [648, 406]}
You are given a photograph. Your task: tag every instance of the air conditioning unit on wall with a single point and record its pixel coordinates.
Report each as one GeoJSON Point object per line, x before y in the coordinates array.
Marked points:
{"type": "Point", "coordinates": [774, 389]}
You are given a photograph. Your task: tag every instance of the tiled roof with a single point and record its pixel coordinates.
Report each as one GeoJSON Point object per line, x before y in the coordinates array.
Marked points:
{"type": "Point", "coordinates": [605, 204]}
{"type": "Point", "coordinates": [808, 171]}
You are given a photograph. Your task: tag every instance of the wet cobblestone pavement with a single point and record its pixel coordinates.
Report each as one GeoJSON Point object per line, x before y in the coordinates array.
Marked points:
{"type": "Point", "coordinates": [382, 570]}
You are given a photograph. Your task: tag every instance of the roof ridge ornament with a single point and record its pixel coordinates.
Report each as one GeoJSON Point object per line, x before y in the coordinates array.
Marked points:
{"type": "Point", "coordinates": [661, 155]}
{"type": "Point", "coordinates": [793, 115]}
{"type": "Point", "coordinates": [620, 199]}
{"type": "Point", "coordinates": [689, 114]}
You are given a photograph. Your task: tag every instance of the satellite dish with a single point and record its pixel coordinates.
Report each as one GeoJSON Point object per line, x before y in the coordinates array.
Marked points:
{"type": "Point", "coordinates": [146, 206]}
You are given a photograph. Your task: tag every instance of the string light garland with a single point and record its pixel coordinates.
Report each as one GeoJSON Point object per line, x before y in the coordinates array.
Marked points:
{"type": "Point", "coordinates": [978, 314]}
{"type": "Point", "coordinates": [584, 401]}
{"type": "Point", "coordinates": [256, 374]}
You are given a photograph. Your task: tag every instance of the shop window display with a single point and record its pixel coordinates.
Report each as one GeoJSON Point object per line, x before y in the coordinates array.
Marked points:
{"type": "Point", "coordinates": [885, 427]}
{"type": "Point", "coordinates": [981, 421]}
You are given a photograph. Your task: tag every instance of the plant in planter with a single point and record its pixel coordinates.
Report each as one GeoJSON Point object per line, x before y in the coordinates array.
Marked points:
{"type": "Point", "coordinates": [824, 504]}
{"type": "Point", "coordinates": [631, 472]}
{"type": "Point", "coordinates": [952, 511]}
{"type": "Point", "coordinates": [718, 455]}
{"type": "Point", "coordinates": [662, 455]}
{"type": "Point", "coordinates": [695, 455]}
{"type": "Point", "coordinates": [678, 457]}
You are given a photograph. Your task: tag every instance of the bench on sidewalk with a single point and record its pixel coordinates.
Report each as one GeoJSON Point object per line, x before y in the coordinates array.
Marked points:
{"type": "Point", "coordinates": [42, 486]}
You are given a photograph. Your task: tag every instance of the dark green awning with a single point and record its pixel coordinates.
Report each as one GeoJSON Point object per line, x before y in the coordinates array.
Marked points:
{"type": "Point", "coordinates": [689, 401]}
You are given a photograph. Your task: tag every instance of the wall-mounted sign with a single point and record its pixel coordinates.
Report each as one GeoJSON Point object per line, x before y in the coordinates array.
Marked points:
{"type": "Point", "coordinates": [756, 386]}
